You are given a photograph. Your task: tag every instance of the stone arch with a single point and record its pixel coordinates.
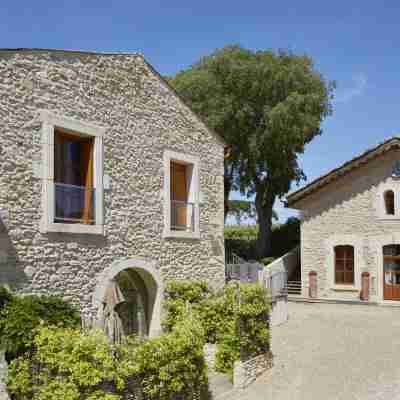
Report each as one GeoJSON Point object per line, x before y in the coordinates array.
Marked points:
{"type": "Point", "coordinates": [147, 270]}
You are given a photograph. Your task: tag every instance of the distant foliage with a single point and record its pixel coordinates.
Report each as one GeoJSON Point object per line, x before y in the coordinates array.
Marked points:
{"type": "Point", "coordinates": [241, 239]}
{"type": "Point", "coordinates": [22, 315]}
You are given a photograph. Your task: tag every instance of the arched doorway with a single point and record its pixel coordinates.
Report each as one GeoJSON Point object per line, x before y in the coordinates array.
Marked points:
{"type": "Point", "coordinates": [128, 297]}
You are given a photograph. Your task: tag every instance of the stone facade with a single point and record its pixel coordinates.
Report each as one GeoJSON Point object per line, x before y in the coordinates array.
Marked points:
{"type": "Point", "coordinates": [350, 211]}
{"type": "Point", "coordinates": [142, 118]}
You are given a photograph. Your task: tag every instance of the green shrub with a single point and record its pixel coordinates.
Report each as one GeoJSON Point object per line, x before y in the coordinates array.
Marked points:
{"type": "Point", "coordinates": [253, 320]}
{"type": "Point", "coordinates": [267, 260]}
{"type": "Point", "coordinates": [179, 294]}
{"type": "Point", "coordinates": [173, 364]}
{"type": "Point", "coordinates": [228, 348]}
{"type": "Point", "coordinates": [5, 296]}
{"type": "Point", "coordinates": [74, 365]}
{"type": "Point", "coordinates": [68, 364]}
{"type": "Point", "coordinates": [236, 322]}
{"type": "Point", "coordinates": [21, 316]}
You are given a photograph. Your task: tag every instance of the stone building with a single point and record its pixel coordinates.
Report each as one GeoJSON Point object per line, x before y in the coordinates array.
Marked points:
{"type": "Point", "coordinates": [109, 183]}
{"type": "Point", "coordinates": [350, 228]}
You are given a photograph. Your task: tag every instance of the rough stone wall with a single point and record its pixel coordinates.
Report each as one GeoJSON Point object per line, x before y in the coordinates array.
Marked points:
{"type": "Point", "coordinates": [346, 212]}
{"type": "Point", "coordinates": [143, 118]}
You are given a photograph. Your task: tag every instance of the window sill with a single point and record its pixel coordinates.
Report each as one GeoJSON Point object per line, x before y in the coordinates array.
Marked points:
{"type": "Point", "coordinates": [74, 229]}
{"type": "Point", "coordinates": [168, 234]}
{"type": "Point", "coordinates": [386, 218]}
{"type": "Point", "coordinates": [343, 288]}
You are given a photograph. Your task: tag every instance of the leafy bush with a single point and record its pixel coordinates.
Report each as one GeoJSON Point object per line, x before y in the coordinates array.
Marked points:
{"type": "Point", "coordinates": [237, 326]}
{"type": "Point", "coordinates": [253, 320]}
{"type": "Point", "coordinates": [173, 364]}
{"type": "Point", "coordinates": [68, 364]}
{"type": "Point", "coordinates": [20, 316]}
{"type": "Point", "coordinates": [74, 365]}
{"type": "Point", "coordinates": [179, 294]}
{"type": "Point", "coordinates": [5, 296]}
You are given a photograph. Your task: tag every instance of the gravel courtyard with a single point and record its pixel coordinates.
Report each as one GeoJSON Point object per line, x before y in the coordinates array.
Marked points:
{"type": "Point", "coordinates": [333, 351]}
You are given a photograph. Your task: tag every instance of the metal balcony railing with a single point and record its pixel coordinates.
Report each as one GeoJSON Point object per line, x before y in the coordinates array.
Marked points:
{"type": "Point", "coordinates": [74, 204]}
{"type": "Point", "coordinates": [182, 216]}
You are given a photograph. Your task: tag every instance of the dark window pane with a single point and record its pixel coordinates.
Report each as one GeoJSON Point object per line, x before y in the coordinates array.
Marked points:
{"type": "Point", "coordinates": [348, 277]}
{"type": "Point", "coordinates": [339, 266]}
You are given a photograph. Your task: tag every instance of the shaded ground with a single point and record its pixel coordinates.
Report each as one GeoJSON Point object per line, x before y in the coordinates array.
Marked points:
{"type": "Point", "coordinates": [333, 351]}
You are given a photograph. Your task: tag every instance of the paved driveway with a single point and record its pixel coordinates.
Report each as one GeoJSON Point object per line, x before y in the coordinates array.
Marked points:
{"type": "Point", "coordinates": [333, 351]}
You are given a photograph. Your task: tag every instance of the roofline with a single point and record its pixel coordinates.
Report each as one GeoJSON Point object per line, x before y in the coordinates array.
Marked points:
{"type": "Point", "coordinates": [84, 52]}
{"type": "Point", "coordinates": [70, 51]}
{"type": "Point", "coordinates": [338, 172]}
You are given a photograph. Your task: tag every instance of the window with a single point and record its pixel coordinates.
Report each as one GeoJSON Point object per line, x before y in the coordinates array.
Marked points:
{"type": "Point", "coordinates": [182, 211]}
{"type": "Point", "coordinates": [389, 202]}
{"type": "Point", "coordinates": [72, 176]}
{"type": "Point", "coordinates": [73, 179]}
{"type": "Point", "coordinates": [344, 265]}
{"type": "Point", "coordinates": [181, 195]}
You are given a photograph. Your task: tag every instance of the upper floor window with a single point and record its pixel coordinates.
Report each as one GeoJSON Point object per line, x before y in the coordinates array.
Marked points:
{"type": "Point", "coordinates": [181, 195]}
{"type": "Point", "coordinates": [344, 265]}
{"type": "Point", "coordinates": [73, 179]}
{"type": "Point", "coordinates": [388, 197]}
{"type": "Point", "coordinates": [72, 176]}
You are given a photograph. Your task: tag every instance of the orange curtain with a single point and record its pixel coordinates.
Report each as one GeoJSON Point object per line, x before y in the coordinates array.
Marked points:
{"type": "Point", "coordinates": [179, 193]}
{"type": "Point", "coordinates": [87, 179]}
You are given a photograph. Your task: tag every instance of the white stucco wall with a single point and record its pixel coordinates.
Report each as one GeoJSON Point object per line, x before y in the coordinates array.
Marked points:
{"type": "Point", "coordinates": [349, 211]}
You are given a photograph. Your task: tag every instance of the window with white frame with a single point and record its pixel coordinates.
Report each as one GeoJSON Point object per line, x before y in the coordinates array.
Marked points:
{"type": "Point", "coordinates": [181, 195]}
{"type": "Point", "coordinates": [388, 201]}
{"type": "Point", "coordinates": [388, 198]}
{"type": "Point", "coordinates": [72, 175]}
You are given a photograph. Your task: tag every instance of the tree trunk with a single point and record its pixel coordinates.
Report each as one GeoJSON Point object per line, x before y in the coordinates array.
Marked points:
{"type": "Point", "coordinates": [228, 181]}
{"type": "Point", "coordinates": [264, 206]}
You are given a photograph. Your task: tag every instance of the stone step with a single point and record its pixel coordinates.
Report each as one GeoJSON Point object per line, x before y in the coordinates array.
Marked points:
{"type": "Point", "coordinates": [220, 385]}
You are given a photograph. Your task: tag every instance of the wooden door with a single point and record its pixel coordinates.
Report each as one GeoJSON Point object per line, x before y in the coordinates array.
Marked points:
{"type": "Point", "coordinates": [179, 195]}
{"type": "Point", "coordinates": [391, 274]}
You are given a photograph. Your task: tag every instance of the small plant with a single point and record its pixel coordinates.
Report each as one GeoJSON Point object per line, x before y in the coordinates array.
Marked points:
{"type": "Point", "coordinates": [21, 316]}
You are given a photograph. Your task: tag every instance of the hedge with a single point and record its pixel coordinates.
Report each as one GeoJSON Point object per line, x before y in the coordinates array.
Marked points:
{"type": "Point", "coordinates": [70, 364]}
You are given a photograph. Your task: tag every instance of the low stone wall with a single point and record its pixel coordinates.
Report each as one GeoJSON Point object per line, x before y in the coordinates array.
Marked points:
{"type": "Point", "coordinates": [279, 310]}
{"type": "Point", "coordinates": [209, 355]}
{"type": "Point", "coordinates": [3, 370]}
{"type": "Point", "coordinates": [247, 372]}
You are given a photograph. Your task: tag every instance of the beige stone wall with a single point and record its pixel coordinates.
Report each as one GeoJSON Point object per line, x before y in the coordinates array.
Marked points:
{"type": "Point", "coordinates": [143, 118]}
{"type": "Point", "coordinates": [349, 211]}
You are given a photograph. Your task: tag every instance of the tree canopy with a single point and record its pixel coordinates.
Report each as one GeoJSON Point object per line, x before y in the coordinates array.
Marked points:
{"type": "Point", "coordinates": [267, 105]}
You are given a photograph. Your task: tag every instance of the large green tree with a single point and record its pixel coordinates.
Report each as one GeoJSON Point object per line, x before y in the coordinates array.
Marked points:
{"type": "Point", "coordinates": [267, 105]}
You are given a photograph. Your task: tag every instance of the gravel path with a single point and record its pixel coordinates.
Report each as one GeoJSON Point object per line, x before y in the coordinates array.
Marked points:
{"type": "Point", "coordinates": [333, 351]}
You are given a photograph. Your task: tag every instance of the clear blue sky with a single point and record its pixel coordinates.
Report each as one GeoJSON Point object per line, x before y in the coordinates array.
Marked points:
{"type": "Point", "coordinates": [353, 42]}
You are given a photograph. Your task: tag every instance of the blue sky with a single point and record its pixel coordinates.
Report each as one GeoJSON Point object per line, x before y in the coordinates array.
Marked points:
{"type": "Point", "coordinates": [353, 42]}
